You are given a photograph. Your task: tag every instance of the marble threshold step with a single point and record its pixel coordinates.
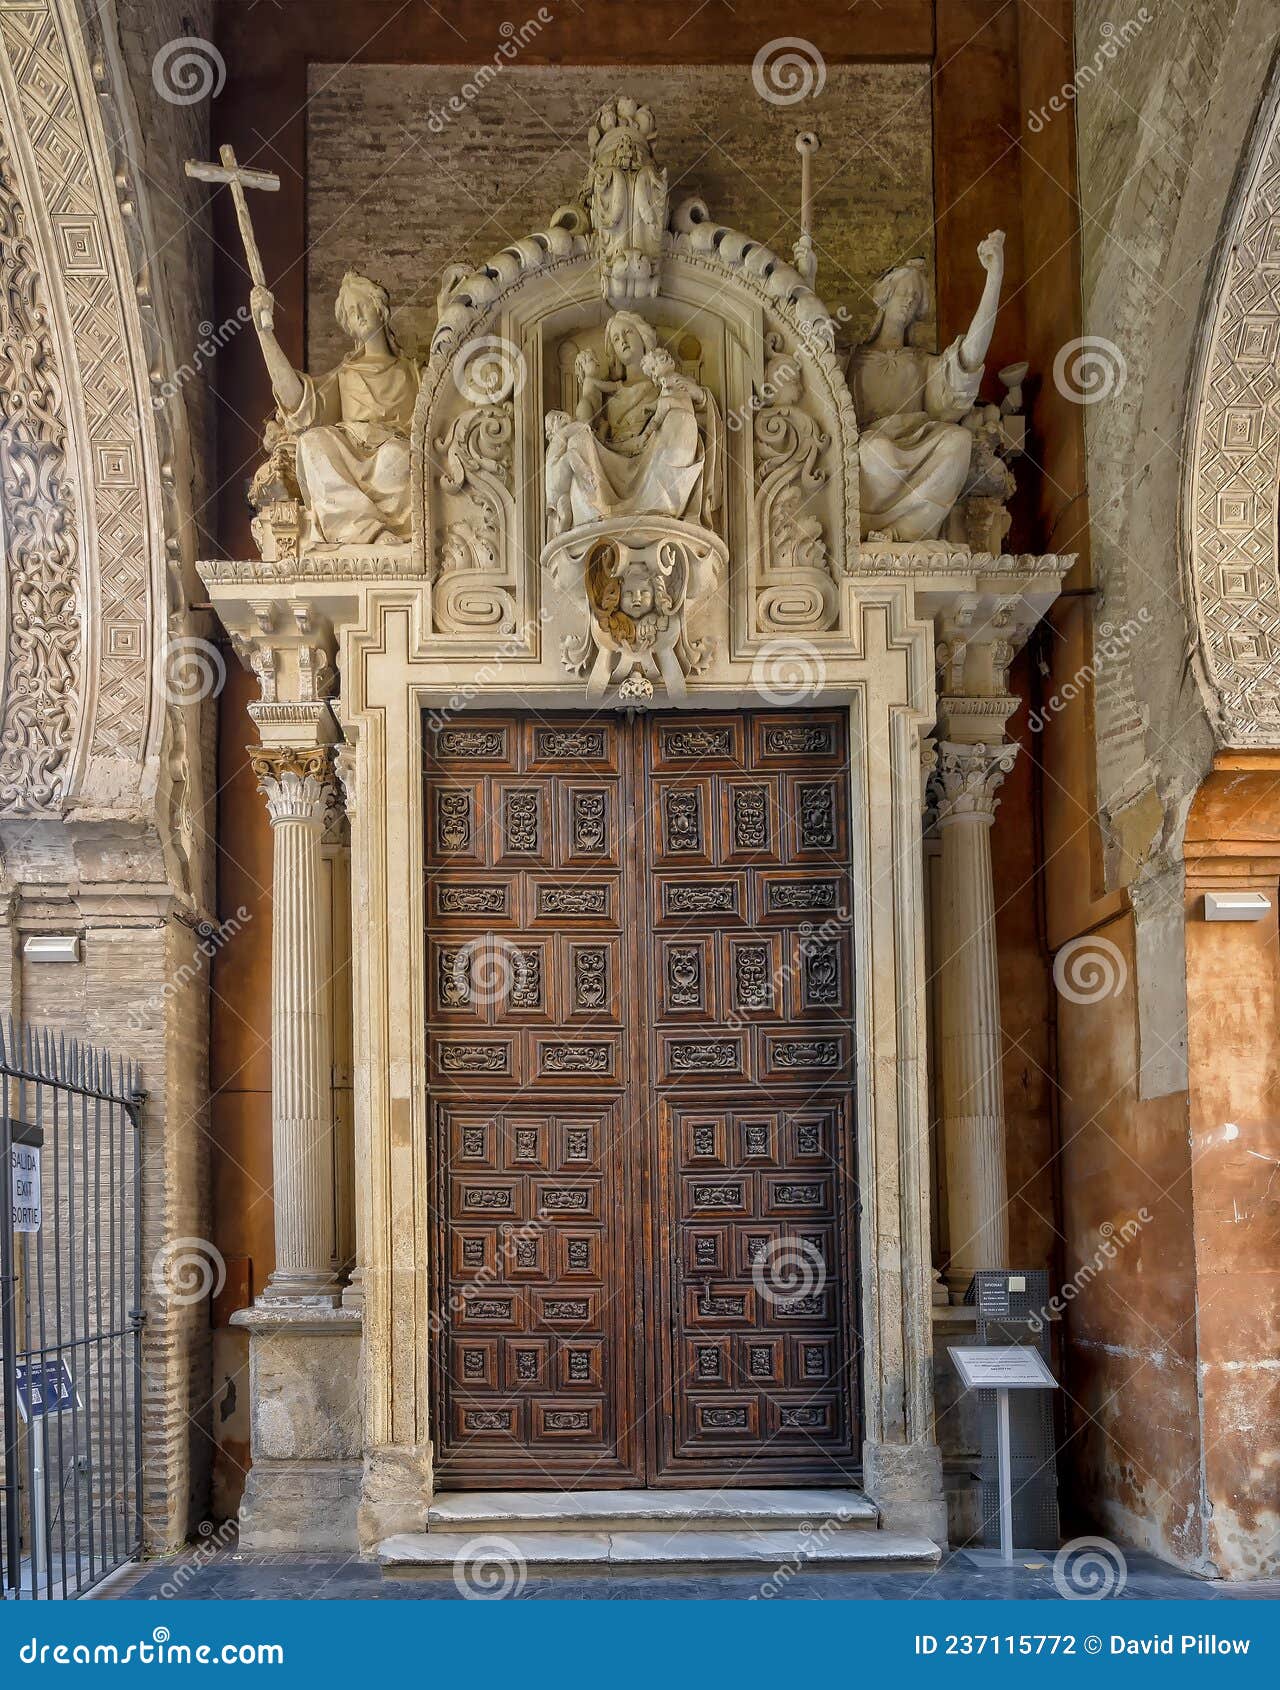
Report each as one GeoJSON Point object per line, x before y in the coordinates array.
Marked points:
{"type": "Point", "coordinates": [487, 1559]}
{"type": "Point", "coordinates": [651, 1510]}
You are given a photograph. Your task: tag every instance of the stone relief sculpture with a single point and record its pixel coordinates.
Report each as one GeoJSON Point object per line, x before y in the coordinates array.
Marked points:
{"type": "Point", "coordinates": [473, 586]}
{"type": "Point", "coordinates": [42, 610]}
{"type": "Point", "coordinates": [636, 634]}
{"type": "Point", "coordinates": [632, 487]}
{"type": "Point", "coordinates": [914, 450]}
{"type": "Point", "coordinates": [796, 585]}
{"type": "Point", "coordinates": [634, 445]}
{"type": "Point", "coordinates": [981, 518]}
{"type": "Point", "coordinates": [625, 195]}
{"type": "Point", "coordinates": [349, 429]}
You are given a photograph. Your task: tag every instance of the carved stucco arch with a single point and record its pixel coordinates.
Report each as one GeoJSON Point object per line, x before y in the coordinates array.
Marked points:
{"type": "Point", "coordinates": [96, 461]}
{"type": "Point", "coordinates": [1231, 494]}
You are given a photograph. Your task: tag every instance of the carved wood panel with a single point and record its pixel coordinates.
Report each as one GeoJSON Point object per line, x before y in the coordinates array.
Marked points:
{"type": "Point", "coordinates": [533, 1194]}
{"type": "Point", "coordinates": [751, 1050]}
{"type": "Point", "coordinates": [639, 972]}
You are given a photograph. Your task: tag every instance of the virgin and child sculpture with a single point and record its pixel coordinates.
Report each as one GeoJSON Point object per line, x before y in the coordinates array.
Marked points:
{"type": "Point", "coordinates": [632, 486]}
{"type": "Point", "coordinates": [914, 451]}
{"type": "Point", "coordinates": [634, 445]}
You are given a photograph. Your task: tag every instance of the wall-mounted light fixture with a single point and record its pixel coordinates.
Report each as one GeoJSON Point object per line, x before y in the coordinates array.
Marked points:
{"type": "Point", "coordinates": [1235, 906]}
{"type": "Point", "coordinates": [51, 947]}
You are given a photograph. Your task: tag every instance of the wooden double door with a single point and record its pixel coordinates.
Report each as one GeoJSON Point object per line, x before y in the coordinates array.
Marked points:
{"type": "Point", "coordinates": [639, 960]}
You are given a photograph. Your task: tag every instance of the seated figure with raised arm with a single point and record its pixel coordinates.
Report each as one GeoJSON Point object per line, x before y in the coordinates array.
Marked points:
{"type": "Point", "coordinates": [914, 450]}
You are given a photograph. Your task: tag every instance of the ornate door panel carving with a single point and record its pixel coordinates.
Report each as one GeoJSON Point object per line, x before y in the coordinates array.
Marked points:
{"type": "Point", "coordinates": [639, 986]}
{"type": "Point", "coordinates": [538, 1361]}
{"type": "Point", "coordinates": [750, 1058]}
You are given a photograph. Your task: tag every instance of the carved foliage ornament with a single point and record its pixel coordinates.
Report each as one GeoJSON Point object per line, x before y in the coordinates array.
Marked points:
{"type": "Point", "coordinates": [475, 590]}
{"type": "Point", "coordinates": [43, 657]}
{"type": "Point", "coordinates": [297, 783]}
{"type": "Point", "coordinates": [796, 581]}
{"type": "Point", "coordinates": [97, 256]}
{"type": "Point", "coordinates": [965, 780]}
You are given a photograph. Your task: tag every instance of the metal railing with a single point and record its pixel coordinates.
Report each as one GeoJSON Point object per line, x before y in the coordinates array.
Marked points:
{"type": "Point", "coordinates": [70, 1314]}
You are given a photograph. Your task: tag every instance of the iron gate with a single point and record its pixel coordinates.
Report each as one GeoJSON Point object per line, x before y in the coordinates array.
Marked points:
{"type": "Point", "coordinates": [70, 1313]}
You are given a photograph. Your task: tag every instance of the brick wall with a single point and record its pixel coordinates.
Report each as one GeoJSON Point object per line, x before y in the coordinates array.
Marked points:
{"type": "Point", "coordinates": [387, 193]}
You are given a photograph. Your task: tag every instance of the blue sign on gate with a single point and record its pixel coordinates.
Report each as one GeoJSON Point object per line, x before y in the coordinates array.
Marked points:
{"type": "Point", "coordinates": [44, 1388]}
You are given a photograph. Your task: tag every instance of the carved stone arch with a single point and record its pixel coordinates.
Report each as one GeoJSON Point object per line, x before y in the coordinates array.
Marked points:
{"type": "Point", "coordinates": [1231, 491]}
{"type": "Point", "coordinates": [97, 469]}
{"type": "Point", "coordinates": [502, 361]}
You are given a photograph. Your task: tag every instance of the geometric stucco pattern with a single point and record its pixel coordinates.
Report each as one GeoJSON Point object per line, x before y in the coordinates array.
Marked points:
{"type": "Point", "coordinates": [1232, 498]}
{"type": "Point", "coordinates": [41, 89]}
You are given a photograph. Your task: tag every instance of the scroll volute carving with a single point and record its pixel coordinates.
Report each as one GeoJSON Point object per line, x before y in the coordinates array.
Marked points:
{"type": "Point", "coordinates": [796, 589]}
{"type": "Point", "coordinates": [475, 588]}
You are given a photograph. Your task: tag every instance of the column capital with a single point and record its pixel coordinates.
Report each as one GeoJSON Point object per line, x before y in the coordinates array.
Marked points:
{"type": "Point", "coordinates": [345, 766]}
{"type": "Point", "coordinates": [297, 781]}
{"type": "Point", "coordinates": [965, 779]}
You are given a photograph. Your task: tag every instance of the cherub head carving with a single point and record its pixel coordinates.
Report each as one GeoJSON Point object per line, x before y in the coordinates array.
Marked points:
{"type": "Point", "coordinates": [659, 366]}
{"type": "Point", "coordinates": [632, 598]}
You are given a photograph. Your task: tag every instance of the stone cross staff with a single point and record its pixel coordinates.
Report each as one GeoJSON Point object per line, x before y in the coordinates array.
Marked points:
{"type": "Point", "coordinates": [238, 179]}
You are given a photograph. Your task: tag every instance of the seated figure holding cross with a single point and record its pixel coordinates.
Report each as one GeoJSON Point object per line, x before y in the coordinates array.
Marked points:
{"type": "Point", "coordinates": [351, 425]}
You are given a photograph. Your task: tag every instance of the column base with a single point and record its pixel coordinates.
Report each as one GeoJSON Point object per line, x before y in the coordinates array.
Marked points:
{"type": "Point", "coordinates": [905, 1483]}
{"type": "Point", "coordinates": [301, 1290]}
{"type": "Point", "coordinates": [353, 1291]}
{"type": "Point", "coordinates": [395, 1492]}
{"type": "Point", "coordinates": [306, 1426]}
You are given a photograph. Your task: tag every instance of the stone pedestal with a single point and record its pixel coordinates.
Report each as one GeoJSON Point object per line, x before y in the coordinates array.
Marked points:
{"type": "Point", "coordinates": [305, 1428]}
{"type": "Point", "coordinates": [970, 1082]}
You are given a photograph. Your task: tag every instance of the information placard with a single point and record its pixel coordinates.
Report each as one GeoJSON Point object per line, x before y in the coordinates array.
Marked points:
{"type": "Point", "coordinates": [44, 1388]}
{"type": "Point", "coordinates": [1002, 1367]}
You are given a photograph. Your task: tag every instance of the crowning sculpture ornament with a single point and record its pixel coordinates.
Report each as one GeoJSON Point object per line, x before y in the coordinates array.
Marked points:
{"type": "Point", "coordinates": [633, 446]}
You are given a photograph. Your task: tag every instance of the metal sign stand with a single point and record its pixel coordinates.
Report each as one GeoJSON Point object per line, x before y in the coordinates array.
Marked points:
{"type": "Point", "coordinates": [39, 1500]}
{"type": "Point", "coordinates": [1006, 1474]}
{"type": "Point", "coordinates": [1002, 1368]}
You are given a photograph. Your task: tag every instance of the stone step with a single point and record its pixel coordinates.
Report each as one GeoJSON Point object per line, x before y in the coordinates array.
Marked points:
{"type": "Point", "coordinates": [491, 1562]}
{"type": "Point", "coordinates": [650, 1510]}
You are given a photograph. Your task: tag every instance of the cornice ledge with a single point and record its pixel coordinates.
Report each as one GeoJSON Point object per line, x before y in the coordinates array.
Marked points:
{"type": "Point", "coordinates": [941, 559]}
{"type": "Point", "coordinates": [310, 568]}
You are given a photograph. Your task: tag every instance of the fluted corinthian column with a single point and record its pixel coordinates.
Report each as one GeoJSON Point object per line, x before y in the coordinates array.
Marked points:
{"type": "Point", "coordinates": [963, 789]}
{"type": "Point", "coordinates": [296, 785]}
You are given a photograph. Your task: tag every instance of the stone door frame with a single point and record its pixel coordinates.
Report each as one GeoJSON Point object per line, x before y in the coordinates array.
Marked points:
{"type": "Point", "coordinates": [390, 678]}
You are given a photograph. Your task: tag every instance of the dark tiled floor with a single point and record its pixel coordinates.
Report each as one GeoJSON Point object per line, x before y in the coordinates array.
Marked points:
{"type": "Point", "coordinates": [230, 1575]}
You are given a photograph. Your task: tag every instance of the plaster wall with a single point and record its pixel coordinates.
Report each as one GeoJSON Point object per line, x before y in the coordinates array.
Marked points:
{"type": "Point", "coordinates": [1171, 1349]}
